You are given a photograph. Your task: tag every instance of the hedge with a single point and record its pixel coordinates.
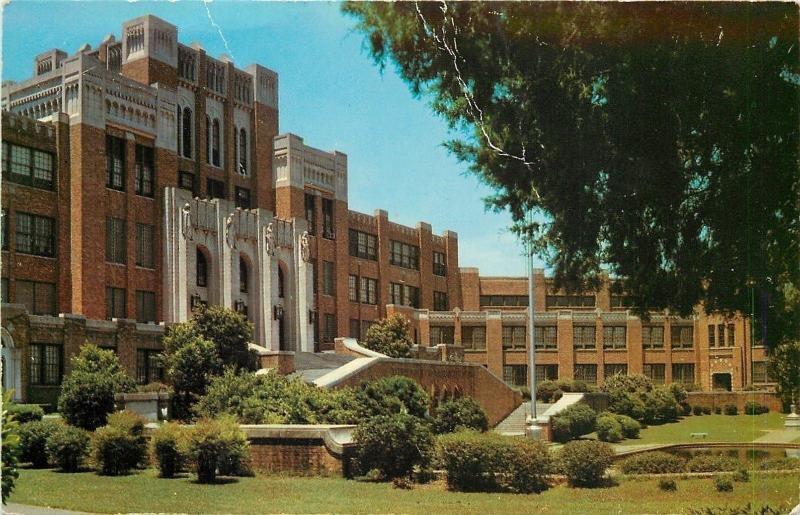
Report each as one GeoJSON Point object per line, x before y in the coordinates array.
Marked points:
{"type": "Point", "coordinates": [712, 463]}
{"type": "Point", "coordinates": [575, 420]}
{"type": "Point", "coordinates": [24, 413]}
{"type": "Point", "coordinates": [67, 447]}
{"type": "Point", "coordinates": [33, 441]}
{"type": "Point", "coordinates": [584, 462]}
{"type": "Point", "coordinates": [655, 462]}
{"type": "Point", "coordinates": [393, 445]}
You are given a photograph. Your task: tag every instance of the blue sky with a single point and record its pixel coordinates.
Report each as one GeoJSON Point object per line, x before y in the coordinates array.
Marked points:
{"type": "Point", "coordinates": [330, 94]}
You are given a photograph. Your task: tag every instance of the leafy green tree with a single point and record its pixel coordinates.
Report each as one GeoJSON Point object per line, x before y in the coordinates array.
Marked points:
{"type": "Point", "coordinates": [390, 336]}
{"type": "Point", "coordinates": [229, 331]}
{"type": "Point", "coordinates": [394, 394]}
{"type": "Point", "coordinates": [87, 394]}
{"type": "Point", "coordinates": [459, 414]}
{"type": "Point", "coordinates": [655, 142]}
{"type": "Point", "coordinates": [9, 454]}
{"type": "Point", "coordinates": [784, 369]}
{"type": "Point", "coordinates": [393, 444]}
{"type": "Point", "coordinates": [190, 362]}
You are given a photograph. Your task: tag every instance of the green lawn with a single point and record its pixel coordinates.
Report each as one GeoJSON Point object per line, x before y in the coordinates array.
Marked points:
{"type": "Point", "coordinates": [144, 492]}
{"type": "Point", "coordinates": [720, 428]}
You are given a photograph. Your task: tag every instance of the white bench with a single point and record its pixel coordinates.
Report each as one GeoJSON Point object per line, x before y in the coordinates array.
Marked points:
{"type": "Point", "coordinates": [698, 435]}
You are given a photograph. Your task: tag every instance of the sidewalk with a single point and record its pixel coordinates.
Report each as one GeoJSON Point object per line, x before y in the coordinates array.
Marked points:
{"type": "Point", "coordinates": [24, 509]}
{"type": "Point", "coordinates": [779, 436]}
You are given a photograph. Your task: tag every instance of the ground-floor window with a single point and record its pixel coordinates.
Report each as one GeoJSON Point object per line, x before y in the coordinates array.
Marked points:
{"type": "Point", "coordinates": [46, 364]}
{"type": "Point", "coordinates": [515, 375]}
{"type": "Point", "coordinates": [612, 369]}
{"type": "Point", "coordinates": [683, 373]}
{"type": "Point", "coordinates": [329, 329]}
{"type": "Point", "coordinates": [442, 335]}
{"type": "Point", "coordinates": [655, 372]}
{"type": "Point", "coordinates": [586, 373]}
{"type": "Point", "coordinates": [546, 373]}
{"type": "Point", "coordinates": [148, 366]}
{"type": "Point", "coordinates": [761, 372]}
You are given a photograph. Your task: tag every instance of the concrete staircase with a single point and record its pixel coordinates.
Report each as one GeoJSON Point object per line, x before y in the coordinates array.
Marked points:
{"type": "Point", "coordinates": [514, 424]}
{"type": "Point", "coordinates": [311, 366]}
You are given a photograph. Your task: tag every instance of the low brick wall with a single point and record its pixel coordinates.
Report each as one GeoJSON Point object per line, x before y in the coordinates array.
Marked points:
{"type": "Point", "coordinates": [739, 399]}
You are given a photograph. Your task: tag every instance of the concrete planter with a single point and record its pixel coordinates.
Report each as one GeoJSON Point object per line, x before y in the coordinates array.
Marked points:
{"type": "Point", "coordinates": [153, 406]}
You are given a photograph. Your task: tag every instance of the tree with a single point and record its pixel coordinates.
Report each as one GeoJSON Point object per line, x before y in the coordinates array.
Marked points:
{"type": "Point", "coordinates": [390, 336]}
{"type": "Point", "coordinates": [784, 369]}
{"type": "Point", "coordinates": [229, 331]}
{"type": "Point", "coordinates": [87, 394]}
{"type": "Point", "coordinates": [190, 362]}
{"type": "Point", "coordinates": [657, 143]}
{"type": "Point", "coordinates": [9, 454]}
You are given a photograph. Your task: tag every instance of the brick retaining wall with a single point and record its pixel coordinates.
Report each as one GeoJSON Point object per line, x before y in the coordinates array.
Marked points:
{"type": "Point", "coordinates": [739, 399]}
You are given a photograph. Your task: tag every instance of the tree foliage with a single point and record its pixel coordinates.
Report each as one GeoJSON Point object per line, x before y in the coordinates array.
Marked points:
{"type": "Point", "coordinates": [10, 451]}
{"type": "Point", "coordinates": [784, 369]}
{"type": "Point", "coordinates": [390, 336]}
{"type": "Point", "coordinates": [654, 142]}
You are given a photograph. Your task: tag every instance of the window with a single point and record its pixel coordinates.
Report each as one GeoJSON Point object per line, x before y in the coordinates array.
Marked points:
{"type": "Point", "coordinates": [404, 295]}
{"type": "Point", "coordinates": [368, 290]}
{"type": "Point", "coordinates": [201, 269]}
{"type": "Point", "coordinates": [38, 298]}
{"type": "Point", "coordinates": [442, 335]}
{"type": "Point", "coordinates": [28, 166]}
{"type": "Point", "coordinates": [328, 278]}
{"type": "Point", "coordinates": [355, 327]}
{"type": "Point", "coordinates": [243, 275]}
{"type": "Point", "coordinates": [655, 372]}
{"type": "Point", "coordinates": [731, 335]}
{"type": "Point", "coordinates": [148, 366]}
{"type": "Point", "coordinates": [186, 181]}
{"type": "Point", "coordinates": [280, 282]}
{"type": "Point", "coordinates": [352, 288]}
{"type": "Point", "coordinates": [115, 303]}
{"type": "Point", "coordinates": [327, 219]}
{"type": "Point", "coordinates": [622, 301]}
{"type": "Point", "coordinates": [311, 213]}
{"type": "Point", "coordinates": [363, 245]}
{"type": "Point", "coordinates": [329, 328]}
{"type": "Point", "coordinates": [721, 335]}
{"type": "Point", "coordinates": [515, 375]}
{"type": "Point", "coordinates": [614, 337]}
{"type": "Point", "coordinates": [145, 306]}
{"type": "Point", "coordinates": [653, 337]}
{"type": "Point", "coordinates": [440, 301]}
{"type": "Point", "coordinates": [545, 337]}
{"type": "Point", "coordinates": [215, 142]}
{"type": "Point", "coordinates": [312, 264]}
{"type": "Point", "coordinates": [586, 373]}
{"type": "Point", "coordinates": [546, 373]}
{"type": "Point", "coordinates": [178, 116]}
{"type": "Point", "coordinates": [35, 235]}
{"type": "Point", "coordinates": [186, 142]}
{"type": "Point", "coordinates": [115, 163]}
{"type": "Point", "coordinates": [570, 301]}
{"type": "Point", "coordinates": [473, 337]}
{"type": "Point", "coordinates": [583, 337]}
{"type": "Point", "coordinates": [144, 171]}
{"type": "Point", "coordinates": [514, 336]}
{"type": "Point", "coordinates": [242, 198]}
{"type": "Point", "coordinates": [439, 264]}
{"type": "Point", "coordinates": [242, 152]}
{"type": "Point", "coordinates": [761, 372]}
{"type": "Point", "coordinates": [504, 300]}
{"type": "Point", "coordinates": [208, 139]}
{"type": "Point", "coordinates": [144, 245]}
{"type": "Point", "coordinates": [4, 231]}
{"type": "Point", "coordinates": [614, 369]}
{"type": "Point", "coordinates": [4, 290]}
{"type": "Point", "coordinates": [682, 337]}
{"type": "Point", "coordinates": [711, 340]}
{"type": "Point", "coordinates": [115, 240]}
{"type": "Point", "coordinates": [46, 364]}
{"type": "Point", "coordinates": [403, 254]}
{"type": "Point", "coordinates": [683, 373]}
{"type": "Point", "coordinates": [215, 188]}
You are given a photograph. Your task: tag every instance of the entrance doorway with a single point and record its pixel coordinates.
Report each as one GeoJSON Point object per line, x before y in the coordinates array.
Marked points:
{"type": "Point", "coordinates": [721, 381]}
{"type": "Point", "coordinates": [11, 363]}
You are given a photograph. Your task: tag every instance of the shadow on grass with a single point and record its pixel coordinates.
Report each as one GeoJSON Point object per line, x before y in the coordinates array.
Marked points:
{"type": "Point", "coordinates": [606, 482]}
{"type": "Point", "coordinates": [224, 480]}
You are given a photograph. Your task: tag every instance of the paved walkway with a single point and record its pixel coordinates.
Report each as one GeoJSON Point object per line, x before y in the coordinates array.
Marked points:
{"type": "Point", "coordinates": [24, 509]}
{"type": "Point", "coordinates": [779, 436]}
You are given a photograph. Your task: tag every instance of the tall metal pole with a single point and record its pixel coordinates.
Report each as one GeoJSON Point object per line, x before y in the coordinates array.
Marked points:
{"type": "Point", "coordinates": [531, 332]}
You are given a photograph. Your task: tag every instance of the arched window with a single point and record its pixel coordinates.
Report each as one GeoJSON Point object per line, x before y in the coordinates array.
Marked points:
{"type": "Point", "coordinates": [242, 152]}
{"type": "Point", "coordinates": [215, 142]}
{"type": "Point", "coordinates": [280, 282]}
{"type": "Point", "coordinates": [187, 132]}
{"type": "Point", "coordinates": [242, 275]}
{"type": "Point", "coordinates": [202, 269]}
{"type": "Point", "coordinates": [178, 133]}
{"type": "Point", "coordinates": [208, 140]}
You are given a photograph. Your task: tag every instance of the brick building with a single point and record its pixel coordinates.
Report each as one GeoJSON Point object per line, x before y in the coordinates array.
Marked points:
{"type": "Point", "coordinates": [143, 177]}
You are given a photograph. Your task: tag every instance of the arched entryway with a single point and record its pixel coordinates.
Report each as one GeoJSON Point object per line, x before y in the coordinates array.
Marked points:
{"type": "Point", "coordinates": [12, 365]}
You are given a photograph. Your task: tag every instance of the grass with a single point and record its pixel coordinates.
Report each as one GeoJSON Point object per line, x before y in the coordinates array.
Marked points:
{"type": "Point", "coordinates": [720, 428]}
{"type": "Point", "coordinates": [145, 492]}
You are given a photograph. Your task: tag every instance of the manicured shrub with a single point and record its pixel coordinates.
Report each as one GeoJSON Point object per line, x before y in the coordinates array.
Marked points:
{"type": "Point", "coordinates": [9, 455]}
{"type": "Point", "coordinates": [545, 391]}
{"type": "Point", "coordinates": [463, 413]}
{"type": "Point", "coordinates": [741, 476]}
{"type": "Point", "coordinates": [723, 483]}
{"type": "Point", "coordinates": [630, 427]}
{"type": "Point", "coordinates": [712, 463]}
{"type": "Point", "coordinates": [87, 394]}
{"type": "Point", "coordinates": [679, 392]}
{"type": "Point", "coordinates": [214, 442]}
{"type": "Point", "coordinates": [67, 447]}
{"type": "Point", "coordinates": [660, 406]}
{"type": "Point", "coordinates": [121, 445]}
{"type": "Point", "coordinates": [24, 413]}
{"type": "Point", "coordinates": [490, 462]}
{"type": "Point", "coordinates": [168, 448]}
{"type": "Point", "coordinates": [33, 441]}
{"type": "Point", "coordinates": [402, 483]}
{"type": "Point", "coordinates": [697, 410]}
{"type": "Point", "coordinates": [608, 428]}
{"type": "Point", "coordinates": [393, 394]}
{"type": "Point", "coordinates": [584, 462]}
{"type": "Point", "coordinates": [717, 410]}
{"type": "Point", "coordinates": [785, 463]}
{"type": "Point", "coordinates": [393, 444]}
{"type": "Point", "coordinates": [685, 409]}
{"type": "Point", "coordinates": [655, 462]}
{"type": "Point", "coordinates": [667, 485]}
{"type": "Point", "coordinates": [390, 336]}
{"type": "Point", "coordinates": [755, 408]}
{"type": "Point", "coordinates": [730, 409]}
{"type": "Point", "coordinates": [575, 420]}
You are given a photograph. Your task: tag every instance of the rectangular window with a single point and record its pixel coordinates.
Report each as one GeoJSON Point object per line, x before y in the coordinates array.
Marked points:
{"type": "Point", "coordinates": [613, 369]}
{"type": "Point", "coordinates": [515, 375]}
{"type": "Point", "coordinates": [46, 364]}
{"type": "Point", "coordinates": [404, 255]}
{"type": "Point", "coordinates": [35, 235]}
{"type": "Point", "coordinates": [368, 290]}
{"type": "Point", "coordinates": [546, 373]}
{"type": "Point", "coordinates": [712, 342]}
{"type": "Point", "coordinates": [404, 295]}
{"type": "Point", "coordinates": [115, 303]}
{"type": "Point", "coordinates": [145, 306]}
{"type": "Point", "coordinates": [145, 165]}
{"type": "Point", "coordinates": [504, 300]}
{"type": "Point", "coordinates": [442, 335]}
{"type": "Point", "coordinates": [570, 301]}
{"type": "Point", "coordinates": [622, 301]}
{"type": "Point", "coordinates": [39, 298]}
{"type": "Point", "coordinates": [655, 372]}
{"type": "Point", "coordinates": [352, 288]}
{"type": "Point", "coordinates": [28, 166]}
{"type": "Point", "coordinates": [545, 337]}
{"type": "Point", "coordinates": [311, 213]}
{"type": "Point", "coordinates": [731, 335]}
{"type": "Point", "coordinates": [115, 163]}
{"type": "Point", "coordinates": [4, 289]}
{"type": "Point", "coordinates": [439, 264]}
{"type": "Point", "coordinates": [473, 337]}
{"type": "Point", "coordinates": [328, 230]}
{"type": "Point", "coordinates": [721, 335]}
{"type": "Point", "coordinates": [614, 337]}
{"type": "Point", "coordinates": [242, 198]}
{"type": "Point", "coordinates": [683, 373]}
{"type": "Point", "coordinates": [4, 232]}
{"type": "Point", "coordinates": [328, 278]}
{"type": "Point", "coordinates": [761, 372]}
{"type": "Point", "coordinates": [653, 337]}
{"type": "Point", "coordinates": [583, 337]}
{"type": "Point", "coordinates": [514, 336]}
{"type": "Point", "coordinates": [355, 327]}
{"type": "Point", "coordinates": [144, 245]}
{"type": "Point", "coordinates": [186, 181]}
{"type": "Point", "coordinates": [682, 337]}
{"type": "Point", "coordinates": [586, 373]}
{"type": "Point", "coordinates": [148, 366]}
{"type": "Point", "coordinates": [329, 328]}
{"type": "Point", "coordinates": [215, 189]}
{"type": "Point", "coordinates": [440, 301]}
{"type": "Point", "coordinates": [363, 245]}
{"type": "Point", "coordinates": [20, 162]}
{"type": "Point", "coordinates": [115, 240]}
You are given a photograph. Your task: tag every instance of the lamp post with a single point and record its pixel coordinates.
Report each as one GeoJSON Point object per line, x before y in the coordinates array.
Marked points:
{"type": "Point", "coordinates": [532, 430]}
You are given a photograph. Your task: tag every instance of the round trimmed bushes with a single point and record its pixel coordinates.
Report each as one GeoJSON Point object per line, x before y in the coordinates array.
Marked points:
{"type": "Point", "coordinates": [167, 447]}
{"type": "Point", "coordinates": [723, 483]}
{"type": "Point", "coordinates": [24, 413]}
{"type": "Point", "coordinates": [655, 462]}
{"type": "Point", "coordinates": [545, 391]}
{"type": "Point", "coordinates": [393, 444]}
{"type": "Point", "coordinates": [584, 462]}
{"type": "Point", "coordinates": [214, 443]}
{"type": "Point", "coordinates": [573, 421]}
{"type": "Point", "coordinates": [697, 410]}
{"type": "Point", "coordinates": [457, 414]}
{"type": "Point", "coordinates": [730, 409]}
{"type": "Point", "coordinates": [67, 447]}
{"type": "Point", "coordinates": [667, 485]}
{"type": "Point", "coordinates": [121, 445]}
{"type": "Point", "coordinates": [755, 408]}
{"type": "Point", "coordinates": [608, 428]}
{"type": "Point", "coordinates": [712, 463]}
{"type": "Point", "coordinates": [33, 441]}
{"type": "Point", "coordinates": [630, 427]}
{"type": "Point", "coordinates": [491, 462]}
